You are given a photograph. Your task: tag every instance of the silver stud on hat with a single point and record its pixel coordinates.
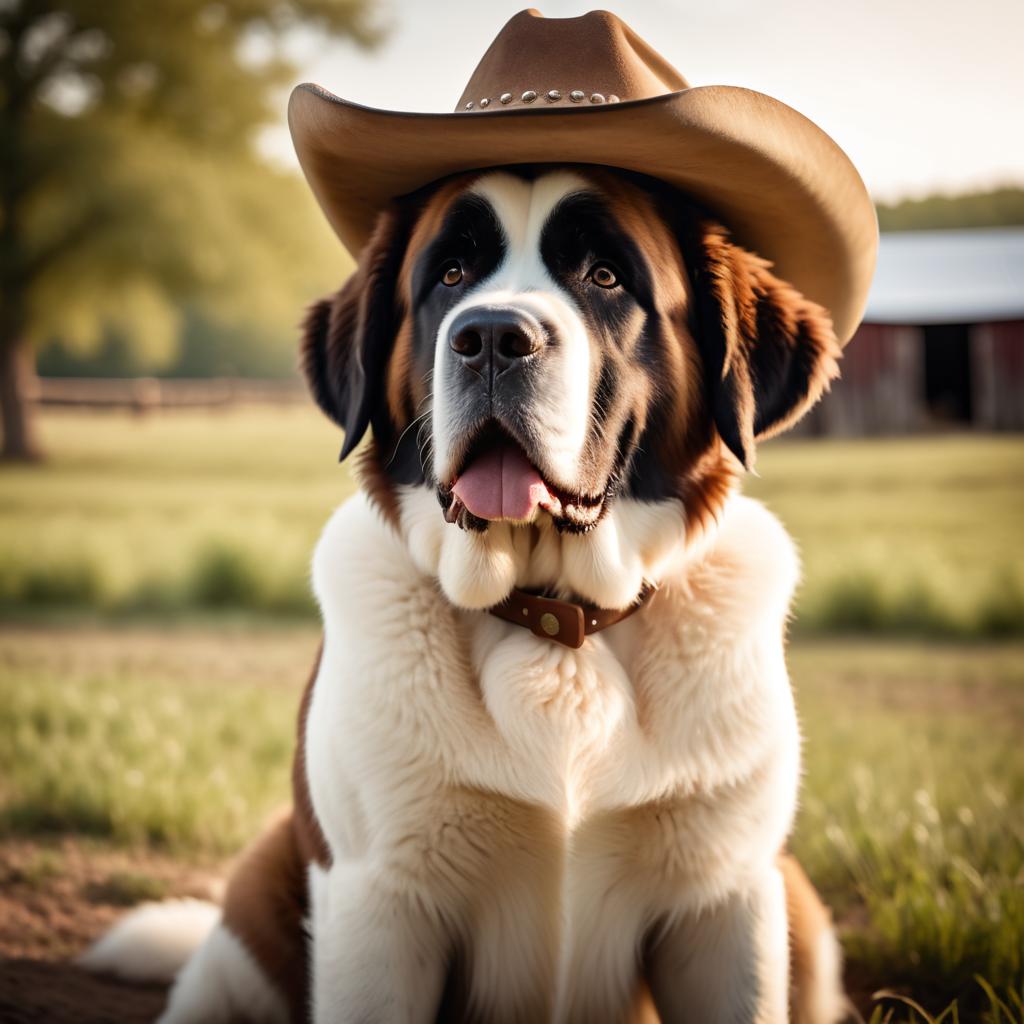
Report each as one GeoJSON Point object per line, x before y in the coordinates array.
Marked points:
{"type": "Point", "coordinates": [552, 96]}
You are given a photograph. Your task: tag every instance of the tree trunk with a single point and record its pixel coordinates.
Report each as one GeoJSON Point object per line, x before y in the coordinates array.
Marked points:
{"type": "Point", "coordinates": [17, 388]}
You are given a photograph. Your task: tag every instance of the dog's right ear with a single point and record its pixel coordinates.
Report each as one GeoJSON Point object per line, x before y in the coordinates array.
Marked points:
{"type": "Point", "coordinates": [769, 353]}
{"type": "Point", "coordinates": [347, 338]}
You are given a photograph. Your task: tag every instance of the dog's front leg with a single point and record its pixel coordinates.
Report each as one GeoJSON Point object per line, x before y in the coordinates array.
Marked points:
{"type": "Point", "coordinates": [729, 965]}
{"type": "Point", "coordinates": [379, 950]}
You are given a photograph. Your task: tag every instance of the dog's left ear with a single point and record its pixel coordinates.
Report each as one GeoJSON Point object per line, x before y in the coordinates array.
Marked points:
{"type": "Point", "coordinates": [768, 352]}
{"type": "Point", "coordinates": [347, 338]}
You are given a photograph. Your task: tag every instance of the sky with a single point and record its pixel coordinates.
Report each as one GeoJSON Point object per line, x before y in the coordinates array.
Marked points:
{"type": "Point", "coordinates": [924, 95]}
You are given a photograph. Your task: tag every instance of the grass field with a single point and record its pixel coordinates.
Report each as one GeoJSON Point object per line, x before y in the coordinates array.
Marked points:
{"type": "Point", "coordinates": [153, 595]}
{"type": "Point", "coordinates": [185, 512]}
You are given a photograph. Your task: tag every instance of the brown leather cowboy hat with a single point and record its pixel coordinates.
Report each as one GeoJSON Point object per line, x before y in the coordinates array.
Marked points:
{"type": "Point", "coordinates": [589, 90]}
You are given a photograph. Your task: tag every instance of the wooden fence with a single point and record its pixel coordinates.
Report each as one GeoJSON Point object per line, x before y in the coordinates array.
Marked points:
{"type": "Point", "coordinates": [147, 394]}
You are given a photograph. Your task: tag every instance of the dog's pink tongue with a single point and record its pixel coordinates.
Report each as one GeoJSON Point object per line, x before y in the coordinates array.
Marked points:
{"type": "Point", "coordinates": [501, 484]}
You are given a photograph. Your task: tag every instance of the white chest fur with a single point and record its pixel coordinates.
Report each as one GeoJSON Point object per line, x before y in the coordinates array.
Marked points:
{"type": "Point", "coordinates": [445, 743]}
{"type": "Point", "coordinates": [688, 697]}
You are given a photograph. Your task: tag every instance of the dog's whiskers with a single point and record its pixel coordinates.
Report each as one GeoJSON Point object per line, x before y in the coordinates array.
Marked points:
{"type": "Point", "coordinates": [401, 437]}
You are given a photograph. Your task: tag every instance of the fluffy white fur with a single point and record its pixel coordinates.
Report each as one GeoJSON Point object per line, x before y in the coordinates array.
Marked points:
{"type": "Point", "coordinates": [154, 941]}
{"type": "Point", "coordinates": [634, 542]}
{"type": "Point", "coordinates": [221, 984]}
{"type": "Point", "coordinates": [654, 771]}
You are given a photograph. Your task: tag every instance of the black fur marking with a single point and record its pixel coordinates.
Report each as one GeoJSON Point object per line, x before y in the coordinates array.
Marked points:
{"type": "Point", "coordinates": [605, 393]}
{"type": "Point", "coordinates": [626, 334]}
{"type": "Point", "coordinates": [379, 318]}
{"type": "Point", "coordinates": [646, 478]}
{"type": "Point", "coordinates": [580, 232]}
{"type": "Point", "coordinates": [347, 339]}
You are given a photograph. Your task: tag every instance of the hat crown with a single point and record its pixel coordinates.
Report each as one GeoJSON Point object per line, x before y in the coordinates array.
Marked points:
{"type": "Point", "coordinates": [564, 62]}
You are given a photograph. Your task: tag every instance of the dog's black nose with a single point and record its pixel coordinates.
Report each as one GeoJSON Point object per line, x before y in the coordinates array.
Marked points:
{"type": "Point", "coordinates": [490, 340]}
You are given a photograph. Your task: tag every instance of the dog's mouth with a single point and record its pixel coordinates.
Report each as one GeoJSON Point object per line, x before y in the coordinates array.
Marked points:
{"type": "Point", "coordinates": [496, 481]}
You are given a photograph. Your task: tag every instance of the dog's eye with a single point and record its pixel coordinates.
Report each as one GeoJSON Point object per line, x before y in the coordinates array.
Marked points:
{"type": "Point", "coordinates": [603, 276]}
{"type": "Point", "coordinates": [452, 274]}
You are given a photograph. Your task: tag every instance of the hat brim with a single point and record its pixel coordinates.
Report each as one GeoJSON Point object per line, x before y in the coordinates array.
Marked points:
{"type": "Point", "coordinates": [777, 181]}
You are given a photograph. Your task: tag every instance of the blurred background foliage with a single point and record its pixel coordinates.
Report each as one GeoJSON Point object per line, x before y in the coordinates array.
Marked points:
{"type": "Point", "coordinates": [993, 208]}
{"type": "Point", "coordinates": [136, 214]}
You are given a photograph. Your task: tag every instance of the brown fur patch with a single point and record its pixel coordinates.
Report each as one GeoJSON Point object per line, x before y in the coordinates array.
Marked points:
{"type": "Point", "coordinates": [405, 392]}
{"type": "Point", "coordinates": [705, 489]}
{"type": "Point", "coordinates": [267, 897]}
{"type": "Point", "coordinates": [433, 210]}
{"type": "Point", "coordinates": [400, 383]}
{"type": "Point", "coordinates": [309, 839]}
{"type": "Point", "coordinates": [679, 369]}
{"type": "Point", "coordinates": [808, 919]}
{"type": "Point", "coordinates": [769, 352]}
{"type": "Point", "coordinates": [264, 907]}
{"type": "Point", "coordinates": [372, 474]}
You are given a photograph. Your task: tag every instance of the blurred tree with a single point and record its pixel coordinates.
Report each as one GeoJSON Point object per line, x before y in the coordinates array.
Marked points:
{"type": "Point", "coordinates": [1001, 207]}
{"type": "Point", "coordinates": [130, 180]}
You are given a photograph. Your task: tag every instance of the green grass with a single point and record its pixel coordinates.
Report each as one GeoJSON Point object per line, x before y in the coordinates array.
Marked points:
{"type": "Point", "coordinates": [186, 514]}
{"type": "Point", "coordinates": [912, 819]}
{"type": "Point", "coordinates": [146, 738]}
{"type": "Point", "coordinates": [161, 514]}
{"type": "Point", "coordinates": [912, 536]}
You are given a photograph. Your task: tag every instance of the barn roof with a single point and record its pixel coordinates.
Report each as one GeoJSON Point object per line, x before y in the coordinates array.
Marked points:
{"type": "Point", "coordinates": [948, 277]}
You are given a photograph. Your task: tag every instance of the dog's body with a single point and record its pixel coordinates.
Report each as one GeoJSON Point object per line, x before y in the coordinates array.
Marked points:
{"type": "Point", "coordinates": [489, 825]}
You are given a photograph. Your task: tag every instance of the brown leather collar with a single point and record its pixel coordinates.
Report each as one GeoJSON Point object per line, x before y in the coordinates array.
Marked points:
{"type": "Point", "coordinates": [563, 621]}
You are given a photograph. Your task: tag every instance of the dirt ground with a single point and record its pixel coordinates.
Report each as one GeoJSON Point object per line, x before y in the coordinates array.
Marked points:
{"type": "Point", "coordinates": [54, 900]}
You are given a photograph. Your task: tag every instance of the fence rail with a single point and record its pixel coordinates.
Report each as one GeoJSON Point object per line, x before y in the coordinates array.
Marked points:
{"type": "Point", "coordinates": [144, 394]}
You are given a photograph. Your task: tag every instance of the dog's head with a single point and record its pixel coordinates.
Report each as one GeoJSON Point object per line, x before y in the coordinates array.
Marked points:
{"type": "Point", "coordinates": [577, 363]}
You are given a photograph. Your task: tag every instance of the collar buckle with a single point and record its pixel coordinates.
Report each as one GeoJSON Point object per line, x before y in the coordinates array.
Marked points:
{"type": "Point", "coordinates": [565, 622]}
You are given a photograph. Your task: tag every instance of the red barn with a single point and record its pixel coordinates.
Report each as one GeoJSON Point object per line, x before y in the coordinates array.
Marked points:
{"type": "Point", "coordinates": [942, 343]}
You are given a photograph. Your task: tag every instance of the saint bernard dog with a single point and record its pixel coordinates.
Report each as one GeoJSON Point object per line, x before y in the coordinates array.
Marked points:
{"type": "Point", "coordinates": [564, 372]}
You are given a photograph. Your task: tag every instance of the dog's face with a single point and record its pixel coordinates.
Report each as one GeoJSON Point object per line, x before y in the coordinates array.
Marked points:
{"type": "Point", "coordinates": [542, 315]}
{"type": "Point", "coordinates": [559, 353]}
